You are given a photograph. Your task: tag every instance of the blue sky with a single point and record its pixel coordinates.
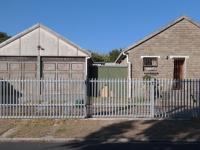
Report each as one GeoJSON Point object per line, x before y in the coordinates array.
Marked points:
{"type": "Point", "coordinates": [98, 25]}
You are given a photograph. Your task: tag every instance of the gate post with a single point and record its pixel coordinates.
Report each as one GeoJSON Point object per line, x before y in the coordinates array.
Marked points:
{"type": "Point", "coordinates": [87, 99]}
{"type": "Point", "coordinates": [152, 96]}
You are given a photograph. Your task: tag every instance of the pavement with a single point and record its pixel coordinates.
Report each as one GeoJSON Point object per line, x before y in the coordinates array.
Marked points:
{"type": "Point", "coordinates": [99, 134]}
{"type": "Point", "coordinates": [171, 130]}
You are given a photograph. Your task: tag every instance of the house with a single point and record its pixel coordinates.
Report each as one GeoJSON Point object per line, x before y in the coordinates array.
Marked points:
{"type": "Point", "coordinates": [39, 52]}
{"type": "Point", "coordinates": [172, 52]}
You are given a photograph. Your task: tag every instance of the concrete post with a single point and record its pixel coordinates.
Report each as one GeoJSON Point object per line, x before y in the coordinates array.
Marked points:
{"type": "Point", "coordinates": [152, 96]}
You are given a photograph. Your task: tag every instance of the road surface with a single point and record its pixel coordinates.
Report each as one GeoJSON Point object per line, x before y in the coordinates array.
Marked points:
{"type": "Point", "coordinates": [98, 146]}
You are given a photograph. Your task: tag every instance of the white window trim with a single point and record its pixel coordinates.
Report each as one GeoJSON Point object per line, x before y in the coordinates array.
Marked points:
{"type": "Point", "coordinates": [150, 56]}
{"type": "Point", "coordinates": [171, 57]}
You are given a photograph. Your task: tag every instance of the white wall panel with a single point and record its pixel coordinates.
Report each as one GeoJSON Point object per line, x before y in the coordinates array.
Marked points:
{"type": "Point", "coordinates": [26, 43]}
{"type": "Point", "coordinates": [11, 49]}
{"type": "Point", "coordinates": [29, 43]}
{"type": "Point", "coordinates": [81, 53]}
{"type": "Point", "coordinates": [49, 42]}
{"type": "Point", "coordinates": [66, 49]}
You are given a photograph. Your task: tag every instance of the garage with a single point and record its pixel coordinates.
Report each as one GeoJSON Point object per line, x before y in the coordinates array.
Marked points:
{"type": "Point", "coordinates": [42, 74]}
{"type": "Point", "coordinates": [41, 53]}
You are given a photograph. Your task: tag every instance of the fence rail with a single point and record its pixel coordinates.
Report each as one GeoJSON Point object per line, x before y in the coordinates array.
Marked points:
{"type": "Point", "coordinates": [48, 98]}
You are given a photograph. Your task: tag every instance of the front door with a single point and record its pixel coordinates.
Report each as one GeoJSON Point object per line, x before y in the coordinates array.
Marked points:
{"type": "Point", "coordinates": [178, 72]}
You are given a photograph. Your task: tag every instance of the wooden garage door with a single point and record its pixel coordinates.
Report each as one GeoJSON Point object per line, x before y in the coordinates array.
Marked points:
{"type": "Point", "coordinates": [62, 69]}
{"type": "Point", "coordinates": [17, 67]}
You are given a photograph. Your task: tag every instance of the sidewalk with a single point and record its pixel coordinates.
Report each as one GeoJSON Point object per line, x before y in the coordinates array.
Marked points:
{"type": "Point", "coordinates": [101, 130]}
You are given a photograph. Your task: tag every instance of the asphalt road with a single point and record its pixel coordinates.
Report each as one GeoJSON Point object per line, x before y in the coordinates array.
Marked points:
{"type": "Point", "coordinates": [98, 146]}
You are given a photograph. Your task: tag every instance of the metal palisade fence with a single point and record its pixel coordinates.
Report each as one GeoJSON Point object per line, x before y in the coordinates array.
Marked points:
{"type": "Point", "coordinates": [102, 98]}
{"type": "Point", "coordinates": [136, 98]}
{"type": "Point", "coordinates": [46, 98]}
{"type": "Point", "coordinates": [121, 98]}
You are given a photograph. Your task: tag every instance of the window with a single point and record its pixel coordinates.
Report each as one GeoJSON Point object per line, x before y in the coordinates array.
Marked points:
{"type": "Point", "coordinates": [150, 65]}
{"type": "Point", "coordinates": [150, 61]}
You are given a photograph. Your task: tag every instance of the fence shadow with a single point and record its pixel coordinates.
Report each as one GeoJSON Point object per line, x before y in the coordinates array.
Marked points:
{"type": "Point", "coordinates": [98, 139]}
{"type": "Point", "coordinates": [9, 94]}
{"type": "Point", "coordinates": [157, 130]}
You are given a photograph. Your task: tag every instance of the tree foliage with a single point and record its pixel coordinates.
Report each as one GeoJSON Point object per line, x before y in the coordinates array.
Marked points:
{"type": "Point", "coordinates": [96, 57]}
{"type": "Point", "coordinates": [110, 57]}
{"type": "Point", "coordinates": [3, 36]}
{"type": "Point", "coordinates": [114, 54]}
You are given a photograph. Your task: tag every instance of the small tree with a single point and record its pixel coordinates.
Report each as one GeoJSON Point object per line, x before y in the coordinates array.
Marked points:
{"type": "Point", "coordinates": [96, 57]}
{"type": "Point", "coordinates": [148, 77]}
{"type": "Point", "coordinates": [114, 54]}
{"type": "Point", "coordinates": [110, 57]}
{"type": "Point", "coordinates": [3, 37]}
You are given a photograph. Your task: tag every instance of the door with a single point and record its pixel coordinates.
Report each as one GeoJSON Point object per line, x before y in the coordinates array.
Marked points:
{"type": "Point", "coordinates": [178, 72]}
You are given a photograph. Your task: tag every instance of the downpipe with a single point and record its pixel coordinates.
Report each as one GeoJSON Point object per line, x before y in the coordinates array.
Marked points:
{"type": "Point", "coordinates": [87, 88]}
{"type": "Point", "coordinates": [129, 74]}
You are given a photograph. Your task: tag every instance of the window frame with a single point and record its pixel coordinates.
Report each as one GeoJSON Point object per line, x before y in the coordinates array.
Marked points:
{"type": "Point", "coordinates": [151, 59]}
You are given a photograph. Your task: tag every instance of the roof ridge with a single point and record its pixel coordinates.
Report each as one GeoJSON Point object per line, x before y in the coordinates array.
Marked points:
{"type": "Point", "coordinates": [64, 38]}
{"type": "Point", "coordinates": [38, 25]}
{"type": "Point", "coordinates": [20, 34]}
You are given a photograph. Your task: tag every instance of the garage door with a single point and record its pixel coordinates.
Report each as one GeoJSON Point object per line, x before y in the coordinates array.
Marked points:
{"type": "Point", "coordinates": [15, 91]}
{"type": "Point", "coordinates": [18, 67]}
{"type": "Point", "coordinates": [68, 70]}
{"type": "Point", "coordinates": [61, 68]}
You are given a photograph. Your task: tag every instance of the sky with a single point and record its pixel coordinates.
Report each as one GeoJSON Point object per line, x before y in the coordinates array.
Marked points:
{"type": "Point", "coordinates": [96, 25]}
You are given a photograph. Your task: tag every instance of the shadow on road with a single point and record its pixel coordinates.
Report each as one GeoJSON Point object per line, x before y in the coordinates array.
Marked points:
{"type": "Point", "coordinates": [163, 129]}
{"type": "Point", "coordinates": [102, 146]}
{"type": "Point", "coordinates": [133, 146]}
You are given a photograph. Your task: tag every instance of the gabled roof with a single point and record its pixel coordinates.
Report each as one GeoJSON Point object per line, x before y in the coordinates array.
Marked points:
{"type": "Point", "coordinates": [156, 33]}
{"type": "Point", "coordinates": [39, 25]}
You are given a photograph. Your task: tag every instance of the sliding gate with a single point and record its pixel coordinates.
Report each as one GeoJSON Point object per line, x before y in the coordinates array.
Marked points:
{"type": "Point", "coordinates": [121, 98]}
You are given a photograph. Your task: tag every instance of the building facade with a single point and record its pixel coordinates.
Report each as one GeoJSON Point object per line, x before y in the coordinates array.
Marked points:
{"type": "Point", "coordinates": [39, 52]}
{"type": "Point", "coordinates": [173, 52]}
